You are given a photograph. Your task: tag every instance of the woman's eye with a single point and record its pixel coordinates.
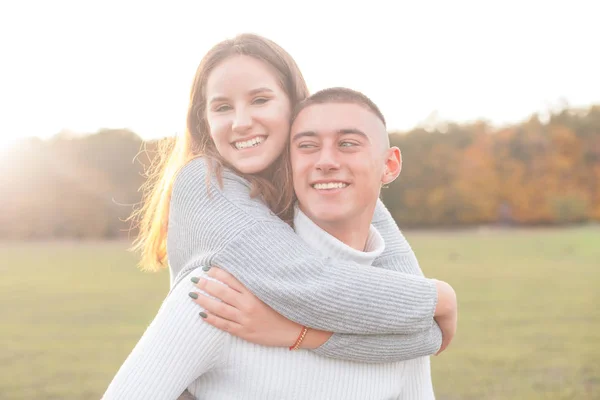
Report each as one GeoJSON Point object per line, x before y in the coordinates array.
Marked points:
{"type": "Point", "coordinates": [260, 100]}
{"type": "Point", "coordinates": [223, 107]}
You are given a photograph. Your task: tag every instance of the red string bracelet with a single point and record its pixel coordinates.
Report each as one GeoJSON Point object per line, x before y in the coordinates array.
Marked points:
{"type": "Point", "coordinates": [300, 339]}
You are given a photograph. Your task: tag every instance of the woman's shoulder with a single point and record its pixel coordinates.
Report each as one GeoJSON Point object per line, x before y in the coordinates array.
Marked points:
{"type": "Point", "coordinates": [198, 168]}
{"type": "Point", "coordinates": [199, 176]}
{"type": "Point", "coordinates": [199, 180]}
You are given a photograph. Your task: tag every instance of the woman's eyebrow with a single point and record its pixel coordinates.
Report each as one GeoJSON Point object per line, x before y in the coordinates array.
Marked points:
{"type": "Point", "coordinates": [251, 93]}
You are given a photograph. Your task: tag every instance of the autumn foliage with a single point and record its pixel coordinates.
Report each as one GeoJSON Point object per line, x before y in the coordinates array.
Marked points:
{"type": "Point", "coordinates": [532, 173]}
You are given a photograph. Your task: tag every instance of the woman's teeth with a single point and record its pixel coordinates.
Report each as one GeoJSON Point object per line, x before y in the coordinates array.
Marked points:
{"type": "Point", "coordinates": [330, 185]}
{"type": "Point", "coordinates": [249, 143]}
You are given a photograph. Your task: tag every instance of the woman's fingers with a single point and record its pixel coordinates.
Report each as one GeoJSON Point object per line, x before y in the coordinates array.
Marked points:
{"type": "Point", "coordinates": [220, 291]}
{"type": "Point", "coordinates": [216, 307]}
{"type": "Point", "coordinates": [222, 324]}
{"type": "Point", "coordinates": [225, 277]}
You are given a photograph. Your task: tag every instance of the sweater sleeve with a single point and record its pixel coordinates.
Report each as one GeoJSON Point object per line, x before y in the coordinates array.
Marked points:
{"type": "Point", "coordinates": [177, 348]}
{"type": "Point", "coordinates": [398, 256]}
{"type": "Point", "coordinates": [382, 348]}
{"type": "Point", "coordinates": [241, 235]}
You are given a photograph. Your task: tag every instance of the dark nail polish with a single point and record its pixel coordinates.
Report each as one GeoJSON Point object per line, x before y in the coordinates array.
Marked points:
{"type": "Point", "coordinates": [206, 269]}
{"type": "Point", "coordinates": [203, 314]}
{"type": "Point", "coordinates": [195, 280]}
{"type": "Point", "coordinates": [193, 295]}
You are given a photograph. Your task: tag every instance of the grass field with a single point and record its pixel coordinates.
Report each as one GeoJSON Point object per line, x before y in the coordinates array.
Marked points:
{"type": "Point", "coordinates": [529, 322]}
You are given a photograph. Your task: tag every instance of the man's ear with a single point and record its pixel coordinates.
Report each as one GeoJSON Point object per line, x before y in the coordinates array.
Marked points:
{"type": "Point", "coordinates": [393, 165]}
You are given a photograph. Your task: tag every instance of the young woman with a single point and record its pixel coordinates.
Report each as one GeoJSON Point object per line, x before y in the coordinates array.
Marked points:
{"type": "Point", "coordinates": [225, 198]}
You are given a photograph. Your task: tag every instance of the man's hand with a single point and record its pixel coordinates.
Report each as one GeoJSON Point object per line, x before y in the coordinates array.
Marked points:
{"type": "Point", "coordinates": [446, 313]}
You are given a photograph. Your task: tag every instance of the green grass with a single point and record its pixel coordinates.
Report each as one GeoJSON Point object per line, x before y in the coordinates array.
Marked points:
{"type": "Point", "coordinates": [529, 325]}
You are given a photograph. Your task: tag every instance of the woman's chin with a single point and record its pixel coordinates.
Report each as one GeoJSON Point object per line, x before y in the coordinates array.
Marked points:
{"type": "Point", "coordinates": [255, 162]}
{"type": "Point", "coordinates": [251, 167]}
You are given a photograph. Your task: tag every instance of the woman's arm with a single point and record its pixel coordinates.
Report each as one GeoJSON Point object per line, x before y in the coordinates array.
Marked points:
{"type": "Point", "coordinates": [243, 237]}
{"type": "Point", "coordinates": [168, 357]}
{"type": "Point", "coordinates": [236, 310]}
{"type": "Point", "coordinates": [382, 348]}
{"type": "Point", "coordinates": [258, 323]}
{"type": "Point", "coordinates": [397, 256]}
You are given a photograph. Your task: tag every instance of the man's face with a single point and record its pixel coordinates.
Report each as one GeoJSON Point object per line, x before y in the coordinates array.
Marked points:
{"type": "Point", "coordinates": [339, 155]}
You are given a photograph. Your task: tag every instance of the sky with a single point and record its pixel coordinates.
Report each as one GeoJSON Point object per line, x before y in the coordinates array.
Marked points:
{"type": "Point", "coordinates": [86, 65]}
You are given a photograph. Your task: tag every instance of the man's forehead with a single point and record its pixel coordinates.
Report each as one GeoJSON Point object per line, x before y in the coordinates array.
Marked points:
{"type": "Point", "coordinates": [335, 118]}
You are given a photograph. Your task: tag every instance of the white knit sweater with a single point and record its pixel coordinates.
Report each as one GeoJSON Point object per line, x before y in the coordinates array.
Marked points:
{"type": "Point", "coordinates": [214, 365]}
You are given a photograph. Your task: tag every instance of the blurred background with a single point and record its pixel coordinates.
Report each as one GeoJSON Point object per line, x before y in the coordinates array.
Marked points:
{"type": "Point", "coordinates": [495, 106]}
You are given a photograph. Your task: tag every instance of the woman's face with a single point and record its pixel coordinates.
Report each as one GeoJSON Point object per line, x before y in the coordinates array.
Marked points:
{"type": "Point", "coordinates": [248, 113]}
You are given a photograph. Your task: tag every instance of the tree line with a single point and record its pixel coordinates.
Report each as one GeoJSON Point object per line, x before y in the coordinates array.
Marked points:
{"type": "Point", "coordinates": [537, 172]}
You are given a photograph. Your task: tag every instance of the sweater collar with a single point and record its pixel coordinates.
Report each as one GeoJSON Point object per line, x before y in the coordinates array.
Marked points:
{"type": "Point", "coordinates": [330, 246]}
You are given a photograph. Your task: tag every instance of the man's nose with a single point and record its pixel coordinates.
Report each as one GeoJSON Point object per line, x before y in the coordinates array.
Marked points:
{"type": "Point", "coordinates": [242, 120]}
{"type": "Point", "coordinates": [327, 160]}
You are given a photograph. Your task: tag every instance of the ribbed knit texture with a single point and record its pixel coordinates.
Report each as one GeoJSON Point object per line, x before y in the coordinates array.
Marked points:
{"type": "Point", "coordinates": [328, 245]}
{"type": "Point", "coordinates": [227, 228]}
{"type": "Point", "coordinates": [231, 368]}
{"type": "Point", "coordinates": [240, 234]}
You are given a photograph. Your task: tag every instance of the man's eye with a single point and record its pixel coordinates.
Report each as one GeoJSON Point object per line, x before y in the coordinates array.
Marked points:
{"type": "Point", "coordinates": [306, 145]}
{"type": "Point", "coordinates": [347, 144]}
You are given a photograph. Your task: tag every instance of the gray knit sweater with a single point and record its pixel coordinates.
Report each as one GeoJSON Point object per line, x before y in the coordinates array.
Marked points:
{"type": "Point", "coordinates": [383, 315]}
{"type": "Point", "coordinates": [179, 350]}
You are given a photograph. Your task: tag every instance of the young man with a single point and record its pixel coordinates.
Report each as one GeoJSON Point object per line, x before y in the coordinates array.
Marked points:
{"type": "Point", "coordinates": [341, 157]}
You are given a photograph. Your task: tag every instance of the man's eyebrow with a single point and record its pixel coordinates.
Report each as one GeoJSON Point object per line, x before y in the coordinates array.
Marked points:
{"type": "Point", "coordinates": [251, 93]}
{"type": "Point", "coordinates": [353, 131]}
{"type": "Point", "coordinates": [302, 134]}
{"type": "Point", "coordinates": [345, 131]}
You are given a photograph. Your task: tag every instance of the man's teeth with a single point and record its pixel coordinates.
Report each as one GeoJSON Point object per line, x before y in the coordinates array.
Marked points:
{"type": "Point", "coordinates": [249, 143]}
{"type": "Point", "coordinates": [330, 185]}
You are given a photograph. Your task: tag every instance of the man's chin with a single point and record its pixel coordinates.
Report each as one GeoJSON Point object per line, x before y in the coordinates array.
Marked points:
{"type": "Point", "coordinates": [328, 216]}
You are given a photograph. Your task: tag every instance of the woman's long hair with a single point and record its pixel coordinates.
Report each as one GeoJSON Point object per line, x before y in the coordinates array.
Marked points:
{"type": "Point", "coordinates": [275, 187]}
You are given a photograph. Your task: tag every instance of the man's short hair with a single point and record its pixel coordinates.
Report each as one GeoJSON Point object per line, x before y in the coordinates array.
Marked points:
{"type": "Point", "coordinates": [339, 95]}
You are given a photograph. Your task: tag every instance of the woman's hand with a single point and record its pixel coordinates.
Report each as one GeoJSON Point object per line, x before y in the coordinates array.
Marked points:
{"type": "Point", "coordinates": [241, 313]}
{"type": "Point", "coordinates": [446, 313]}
